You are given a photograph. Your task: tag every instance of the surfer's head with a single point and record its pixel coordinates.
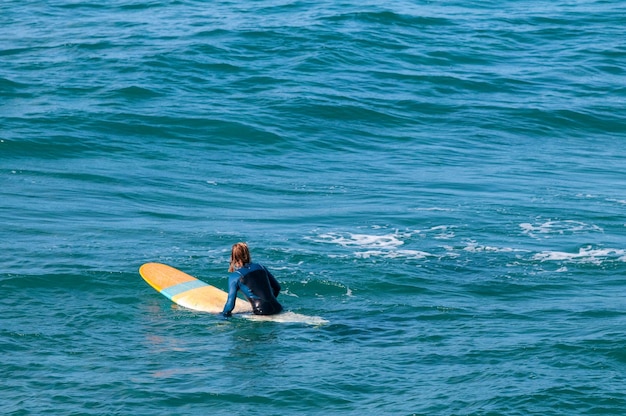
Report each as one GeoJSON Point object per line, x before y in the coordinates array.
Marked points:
{"type": "Point", "coordinates": [239, 256]}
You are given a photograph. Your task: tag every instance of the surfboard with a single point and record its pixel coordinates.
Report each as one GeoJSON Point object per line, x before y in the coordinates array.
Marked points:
{"type": "Point", "coordinates": [188, 291]}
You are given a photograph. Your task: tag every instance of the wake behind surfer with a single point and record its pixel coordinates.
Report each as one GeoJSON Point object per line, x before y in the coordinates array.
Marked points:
{"type": "Point", "coordinates": [257, 284]}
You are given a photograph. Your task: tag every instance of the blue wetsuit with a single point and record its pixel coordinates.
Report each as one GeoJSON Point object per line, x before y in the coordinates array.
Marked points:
{"type": "Point", "coordinates": [258, 286]}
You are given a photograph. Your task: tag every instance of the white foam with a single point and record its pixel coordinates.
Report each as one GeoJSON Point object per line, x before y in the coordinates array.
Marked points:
{"type": "Point", "coordinates": [619, 201]}
{"type": "Point", "coordinates": [474, 247]}
{"type": "Point", "coordinates": [584, 255]}
{"type": "Point", "coordinates": [392, 254]}
{"type": "Point", "coordinates": [288, 317]}
{"type": "Point", "coordinates": [558, 227]}
{"type": "Point", "coordinates": [369, 245]}
{"type": "Point", "coordinates": [451, 252]}
{"type": "Point", "coordinates": [444, 232]}
{"type": "Point", "coordinates": [363, 240]}
{"type": "Point", "coordinates": [439, 227]}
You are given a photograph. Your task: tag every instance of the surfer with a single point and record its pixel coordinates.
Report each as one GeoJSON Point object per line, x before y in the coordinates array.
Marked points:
{"type": "Point", "coordinates": [257, 284]}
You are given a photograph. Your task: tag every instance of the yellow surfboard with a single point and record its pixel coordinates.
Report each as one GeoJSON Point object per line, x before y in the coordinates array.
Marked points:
{"type": "Point", "coordinates": [187, 291]}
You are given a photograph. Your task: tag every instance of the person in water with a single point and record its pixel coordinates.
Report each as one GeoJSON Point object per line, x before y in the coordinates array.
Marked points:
{"type": "Point", "coordinates": [257, 284]}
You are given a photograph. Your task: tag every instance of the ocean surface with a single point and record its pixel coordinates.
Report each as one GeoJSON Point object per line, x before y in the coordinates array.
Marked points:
{"type": "Point", "coordinates": [444, 183]}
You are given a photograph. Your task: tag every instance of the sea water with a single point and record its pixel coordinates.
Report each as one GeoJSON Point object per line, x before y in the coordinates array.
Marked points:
{"type": "Point", "coordinates": [442, 184]}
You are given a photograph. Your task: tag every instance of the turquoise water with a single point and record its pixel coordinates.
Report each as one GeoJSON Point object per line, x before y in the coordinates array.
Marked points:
{"type": "Point", "coordinates": [445, 183]}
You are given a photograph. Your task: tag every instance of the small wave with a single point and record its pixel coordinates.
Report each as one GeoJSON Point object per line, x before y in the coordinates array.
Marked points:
{"type": "Point", "coordinates": [390, 18]}
{"type": "Point", "coordinates": [431, 209]}
{"type": "Point", "coordinates": [134, 91]}
{"type": "Point", "coordinates": [8, 85]}
{"type": "Point", "coordinates": [310, 287]}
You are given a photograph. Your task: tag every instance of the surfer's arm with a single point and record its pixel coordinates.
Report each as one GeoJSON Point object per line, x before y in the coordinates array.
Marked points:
{"type": "Point", "coordinates": [232, 296]}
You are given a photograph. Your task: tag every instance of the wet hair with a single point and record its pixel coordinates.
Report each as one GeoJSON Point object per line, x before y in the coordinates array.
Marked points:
{"type": "Point", "coordinates": [239, 256]}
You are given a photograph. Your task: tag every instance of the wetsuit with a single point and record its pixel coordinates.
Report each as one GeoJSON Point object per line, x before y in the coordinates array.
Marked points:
{"type": "Point", "coordinates": [258, 286]}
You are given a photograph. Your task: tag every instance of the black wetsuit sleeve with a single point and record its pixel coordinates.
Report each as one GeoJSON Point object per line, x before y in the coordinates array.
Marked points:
{"type": "Point", "coordinates": [273, 283]}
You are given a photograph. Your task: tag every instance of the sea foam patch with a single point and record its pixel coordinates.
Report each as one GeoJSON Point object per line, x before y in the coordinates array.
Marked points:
{"type": "Point", "coordinates": [374, 245]}
{"type": "Point", "coordinates": [617, 201]}
{"type": "Point", "coordinates": [558, 228]}
{"type": "Point", "coordinates": [288, 317]}
{"type": "Point", "coordinates": [474, 247]}
{"type": "Point", "coordinates": [387, 241]}
{"type": "Point", "coordinates": [584, 255]}
{"type": "Point", "coordinates": [392, 254]}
